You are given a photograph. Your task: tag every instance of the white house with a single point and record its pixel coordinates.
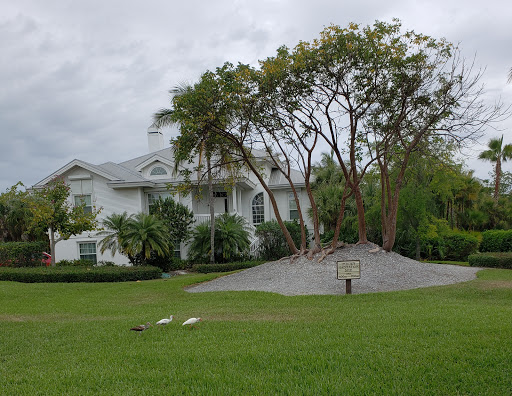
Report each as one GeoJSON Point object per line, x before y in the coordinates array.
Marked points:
{"type": "Point", "coordinates": [133, 185]}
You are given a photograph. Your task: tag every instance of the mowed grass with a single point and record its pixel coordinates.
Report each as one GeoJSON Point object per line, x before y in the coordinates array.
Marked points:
{"type": "Point", "coordinates": [74, 339]}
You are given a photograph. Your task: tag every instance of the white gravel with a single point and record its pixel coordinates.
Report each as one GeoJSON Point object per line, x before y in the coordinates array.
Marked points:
{"type": "Point", "coordinates": [380, 271]}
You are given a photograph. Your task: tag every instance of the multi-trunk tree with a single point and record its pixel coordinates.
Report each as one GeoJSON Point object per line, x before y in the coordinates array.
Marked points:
{"type": "Point", "coordinates": [374, 95]}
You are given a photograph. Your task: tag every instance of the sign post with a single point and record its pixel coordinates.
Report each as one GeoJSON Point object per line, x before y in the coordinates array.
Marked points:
{"type": "Point", "coordinates": [348, 270]}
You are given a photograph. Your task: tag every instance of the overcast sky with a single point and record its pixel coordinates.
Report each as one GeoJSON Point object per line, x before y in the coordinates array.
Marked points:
{"type": "Point", "coordinates": [81, 79]}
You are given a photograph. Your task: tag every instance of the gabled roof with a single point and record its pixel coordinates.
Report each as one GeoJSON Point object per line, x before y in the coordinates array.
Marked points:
{"type": "Point", "coordinates": [128, 174]}
{"type": "Point", "coordinates": [162, 155]}
{"type": "Point", "coordinates": [81, 164]}
{"type": "Point", "coordinates": [155, 158]}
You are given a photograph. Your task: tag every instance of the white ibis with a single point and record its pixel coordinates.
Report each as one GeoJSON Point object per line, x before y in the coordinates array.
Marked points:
{"type": "Point", "coordinates": [191, 322]}
{"type": "Point", "coordinates": [163, 322]}
{"type": "Point", "coordinates": [141, 328]}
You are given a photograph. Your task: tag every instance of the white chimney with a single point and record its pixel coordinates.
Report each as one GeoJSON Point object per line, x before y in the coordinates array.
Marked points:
{"type": "Point", "coordinates": [155, 139]}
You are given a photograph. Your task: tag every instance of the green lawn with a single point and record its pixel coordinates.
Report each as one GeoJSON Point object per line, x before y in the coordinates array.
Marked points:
{"type": "Point", "coordinates": [70, 339]}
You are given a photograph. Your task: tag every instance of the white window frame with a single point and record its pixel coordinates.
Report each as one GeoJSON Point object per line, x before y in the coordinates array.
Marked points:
{"type": "Point", "coordinates": [292, 206]}
{"type": "Point", "coordinates": [81, 255]}
{"type": "Point", "coordinates": [81, 199]}
{"type": "Point", "coordinates": [82, 193]}
{"type": "Point", "coordinates": [158, 174]}
{"type": "Point", "coordinates": [261, 215]}
{"type": "Point", "coordinates": [153, 196]}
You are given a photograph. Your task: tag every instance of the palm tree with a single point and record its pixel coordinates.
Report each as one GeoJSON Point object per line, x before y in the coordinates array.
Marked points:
{"type": "Point", "coordinates": [497, 153]}
{"type": "Point", "coordinates": [200, 141]}
{"type": "Point", "coordinates": [114, 230]}
{"type": "Point", "coordinates": [510, 75]}
{"type": "Point", "coordinates": [144, 234]}
{"type": "Point", "coordinates": [164, 117]}
{"type": "Point", "coordinates": [231, 239]}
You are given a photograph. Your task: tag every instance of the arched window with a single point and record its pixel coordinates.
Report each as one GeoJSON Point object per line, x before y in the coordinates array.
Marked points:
{"type": "Point", "coordinates": [258, 209]}
{"type": "Point", "coordinates": [158, 171]}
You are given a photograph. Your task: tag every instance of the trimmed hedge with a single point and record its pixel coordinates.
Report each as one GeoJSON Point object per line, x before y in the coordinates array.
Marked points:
{"type": "Point", "coordinates": [21, 254]}
{"type": "Point", "coordinates": [79, 274]}
{"type": "Point", "coordinates": [496, 241]}
{"type": "Point", "coordinates": [208, 268]}
{"type": "Point", "coordinates": [491, 259]}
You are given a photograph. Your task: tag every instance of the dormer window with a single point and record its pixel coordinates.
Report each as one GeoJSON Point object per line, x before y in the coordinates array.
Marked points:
{"type": "Point", "coordinates": [158, 171]}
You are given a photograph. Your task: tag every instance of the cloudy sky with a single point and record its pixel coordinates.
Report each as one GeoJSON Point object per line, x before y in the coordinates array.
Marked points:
{"type": "Point", "coordinates": [81, 79]}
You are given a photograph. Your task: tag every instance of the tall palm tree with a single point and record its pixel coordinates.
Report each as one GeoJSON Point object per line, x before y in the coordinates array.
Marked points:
{"type": "Point", "coordinates": [203, 144]}
{"type": "Point", "coordinates": [497, 153]}
{"type": "Point", "coordinates": [114, 226]}
{"type": "Point", "coordinates": [143, 234]}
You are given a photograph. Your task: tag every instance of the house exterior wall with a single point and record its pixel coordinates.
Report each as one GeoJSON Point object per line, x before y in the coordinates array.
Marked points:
{"type": "Point", "coordinates": [110, 201]}
{"type": "Point", "coordinates": [135, 199]}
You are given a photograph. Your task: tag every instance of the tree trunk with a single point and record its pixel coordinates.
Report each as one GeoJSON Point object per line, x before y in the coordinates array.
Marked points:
{"type": "Point", "coordinates": [211, 200]}
{"type": "Point", "coordinates": [498, 179]}
{"type": "Point", "coordinates": [341, 214]}
{"type": "Point", "coordinates": [360, 216]}
{"type": "Point", "coordinates": [52, 246]}
{"type": "Point", "coordinates": [316, 224]}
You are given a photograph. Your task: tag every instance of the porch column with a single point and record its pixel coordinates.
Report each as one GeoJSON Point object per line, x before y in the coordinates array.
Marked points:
{"type": "Point", "coordinates": [234, 192]}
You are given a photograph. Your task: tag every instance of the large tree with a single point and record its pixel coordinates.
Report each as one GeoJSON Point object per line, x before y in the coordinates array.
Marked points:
{"type": "Point", "coordinates": [430, 94]}
{"type": "Point", "coordinates": [497, 153]}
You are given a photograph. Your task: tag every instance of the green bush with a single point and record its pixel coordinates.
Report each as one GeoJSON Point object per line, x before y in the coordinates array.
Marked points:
{"type": "Point", "coordinates": [231, 240]}
{"type": "Point", "coordinates": [273, 245]}
{"type": "Point", "coordinates": [491, 259]}
{"type": "Point", "coordinates": [496, 241]}
{"type": "Point", "coordinates": [207, 268]}
{"type": "Point", "coordinates": [79, 274]}
{"type": "Point", "coordinates": [75, 263]}
{"type": "Point", "coordinates": [21, 254]}
{"type": "Point", "coordinates": [458, 246]}
{"type": "Point", "coordinates": [166, 264]}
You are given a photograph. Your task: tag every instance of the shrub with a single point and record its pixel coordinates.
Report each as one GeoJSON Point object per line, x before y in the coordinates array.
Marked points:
{"type": "Point", "coordinates": [21, 254]}
{"type": "Point", "coordinates": [75, 263]}
{"type": "Point", "coordinates": [231, 240]}
{"type": "Point", "coordinates": [79, 274]}
{"type": "Point", "coordinates": [273, 245]}
{"type": "Point", "coordinates": [208, 268]}
{"type": "Point", "coordinates": [496, 241]}
{"type": "Point", "coordinates": [458, 246]}
{"type": "Point", "coordinates": [493, 260]}
{"type": "Point", "coordinates": [167, 263]}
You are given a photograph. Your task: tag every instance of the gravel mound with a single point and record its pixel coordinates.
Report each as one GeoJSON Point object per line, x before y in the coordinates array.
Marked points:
{"type": "Point", "coordinates": [380, 271]}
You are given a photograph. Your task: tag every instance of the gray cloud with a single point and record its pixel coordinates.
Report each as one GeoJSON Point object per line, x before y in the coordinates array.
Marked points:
{"type": "Point", "coordinates": [82, 79]}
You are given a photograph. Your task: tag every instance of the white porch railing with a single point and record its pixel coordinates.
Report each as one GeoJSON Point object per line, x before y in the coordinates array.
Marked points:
{"type": "Point", "coordinates": [253, 239]}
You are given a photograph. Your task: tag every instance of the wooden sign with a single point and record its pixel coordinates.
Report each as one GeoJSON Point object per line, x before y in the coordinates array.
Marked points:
{"type": "Point", "coordinates": [350, 269]}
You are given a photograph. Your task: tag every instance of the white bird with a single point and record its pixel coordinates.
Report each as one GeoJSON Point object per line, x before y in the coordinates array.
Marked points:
{"type": "Point", "coordinates": [191, 322]}
{"type": "Point", "coordinates": [165, 321]}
